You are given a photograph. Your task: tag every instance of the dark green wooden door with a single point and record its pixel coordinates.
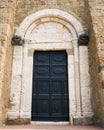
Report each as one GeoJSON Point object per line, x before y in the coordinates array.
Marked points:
{"type": "Point", "coordinates": [50, 86]}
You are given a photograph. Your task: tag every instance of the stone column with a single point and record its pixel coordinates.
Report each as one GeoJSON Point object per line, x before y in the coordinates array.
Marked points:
{"type": "Point", "coordinates": [77, 80]}
{"type": "Point", "coordinates": [71, 85]}
{"type": "Point", "coordinates": [16, 83]}
{"type": "Point", "coordinates": [26, 93]}
{"type": "Point", "coordinates": [74, 85]}
{"type": "Point", "coordinates": [86, 112]}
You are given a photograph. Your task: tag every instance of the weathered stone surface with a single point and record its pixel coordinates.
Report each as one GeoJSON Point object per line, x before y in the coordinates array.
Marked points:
{"type": "Point", "coordinates": [90, 14]}
{"type": "Point", "coordinates": [27, 7]}
{"type": "Point", "coordinates": [19, 121]}
{"type": "Point", "coordinates": [6, 30]}
{"type": "Point", "coordinates": [95, 10]}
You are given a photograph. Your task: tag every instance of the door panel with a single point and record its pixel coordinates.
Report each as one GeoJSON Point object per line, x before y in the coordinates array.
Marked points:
{"type": "Point", "coordinates": [50, 87]}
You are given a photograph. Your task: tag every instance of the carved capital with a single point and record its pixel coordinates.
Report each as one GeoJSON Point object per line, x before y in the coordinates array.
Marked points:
{"type": "Point", "coordinates": [17, 40]}
{"type": "Point", "coordinates": [70, 51]}
{"type": "Point", "coordinates": [31, 52]}
{"type": "Point", "coordinates": [83, 40]}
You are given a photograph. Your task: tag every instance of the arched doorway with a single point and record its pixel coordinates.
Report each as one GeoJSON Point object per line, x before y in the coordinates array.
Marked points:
{"type": "Point", "coordinates": [50, 30]}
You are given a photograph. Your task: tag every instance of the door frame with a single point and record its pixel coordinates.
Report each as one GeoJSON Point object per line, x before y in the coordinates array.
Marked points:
{"type": "Point", "coordinates": [71, 53]}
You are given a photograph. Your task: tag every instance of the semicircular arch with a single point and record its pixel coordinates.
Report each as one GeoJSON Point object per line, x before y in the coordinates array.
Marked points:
{"type": "Point", "coordinates": [62, 16]}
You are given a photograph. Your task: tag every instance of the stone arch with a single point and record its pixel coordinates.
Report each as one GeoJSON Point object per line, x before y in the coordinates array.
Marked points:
{"type": "Point", "coordinates": [21, 71]}
{"type": "Point", "coordinates": [52, 13]}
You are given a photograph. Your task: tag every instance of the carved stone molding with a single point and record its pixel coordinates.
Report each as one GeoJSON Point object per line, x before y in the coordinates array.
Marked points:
{"type": "Point", "coordinates": [70, 51]}
{"type": "Point", "coordinates": [30, 52]}
{"type": "Point", "coordinates": [17, 40]}
{"type": "Point", "coordinates": [83, 40]}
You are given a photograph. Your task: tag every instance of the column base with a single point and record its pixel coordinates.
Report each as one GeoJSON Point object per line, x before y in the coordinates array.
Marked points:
{"type": "Point", "coordinates": [83, 120]}
{"type": "Point", "coordinates": [2, 115]}
{"type": "Point", "coordinates": [18, 121]}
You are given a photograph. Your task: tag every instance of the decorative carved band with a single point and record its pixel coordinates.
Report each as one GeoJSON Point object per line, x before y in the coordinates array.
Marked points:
{"type": "Point", "coordinates": [17, 40]}
{"type": "Point", "coordinates": [83, 40]}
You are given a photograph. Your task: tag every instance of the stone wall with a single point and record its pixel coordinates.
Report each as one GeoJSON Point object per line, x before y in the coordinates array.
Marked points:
{"type": "Point", "coordinates": [94, 20]}
{"type": "Point", "coordinates": [6, 30]}
{"type": "Point", "coordinates": [95, 13]}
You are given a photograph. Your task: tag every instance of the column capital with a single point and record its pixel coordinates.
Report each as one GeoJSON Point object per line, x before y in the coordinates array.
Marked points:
{"type": "Point", "coordinates": [70, 51]}
{"type": "Point", "coordinates": [17, 40]}
{"type": "Point", "coordinates": [31, 52]}
{"type": "Point", "coordinates": [83, 40]}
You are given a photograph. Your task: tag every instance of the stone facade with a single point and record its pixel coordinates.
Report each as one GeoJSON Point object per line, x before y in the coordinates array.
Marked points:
{"type": "Point", "coordinates": [6, 32]}
{"type": "Point", "coordinates": [96, 56]}
{"type": "Point", "coordinates": [77, 17]}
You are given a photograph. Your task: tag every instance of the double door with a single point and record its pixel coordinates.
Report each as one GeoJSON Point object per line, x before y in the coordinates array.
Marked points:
{"type": "Point", "coordinates": [50, 100]}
